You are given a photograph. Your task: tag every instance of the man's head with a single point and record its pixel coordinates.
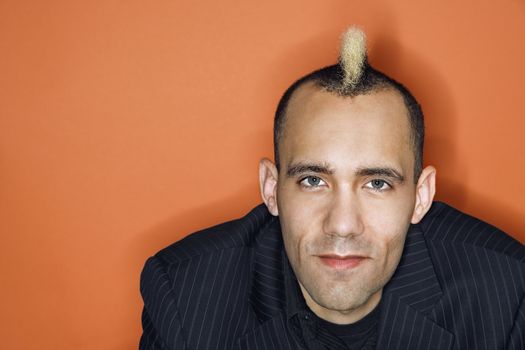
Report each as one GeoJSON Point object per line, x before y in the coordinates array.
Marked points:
{"type": "Point", "coordinates": [353, 76]}
{"type": "Point", "coordinates": [345, 187]}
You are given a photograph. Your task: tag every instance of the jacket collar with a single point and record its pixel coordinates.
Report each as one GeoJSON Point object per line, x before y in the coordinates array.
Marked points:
{"type": "Point", "coordinates": [409, 298]}
{"type": "Point", "coordinates": [267, 295]}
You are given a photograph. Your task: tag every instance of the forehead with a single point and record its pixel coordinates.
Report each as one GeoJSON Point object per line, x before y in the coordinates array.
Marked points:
{"type": "Point", "coordinates": [321, 126]}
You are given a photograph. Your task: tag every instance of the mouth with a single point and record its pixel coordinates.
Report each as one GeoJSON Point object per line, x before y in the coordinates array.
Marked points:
{"type": "Point", "coordinates": [341, 262]}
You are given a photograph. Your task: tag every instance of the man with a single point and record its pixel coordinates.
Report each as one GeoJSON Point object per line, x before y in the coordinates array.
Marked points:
{"type": "Point", "coordinates": [348, 250]}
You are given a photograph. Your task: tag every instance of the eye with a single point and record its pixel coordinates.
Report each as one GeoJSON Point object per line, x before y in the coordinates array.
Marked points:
{"type": "Point", "coordinates": [312, 181]}
{"type": "Point", "coordinates": [378, 185]}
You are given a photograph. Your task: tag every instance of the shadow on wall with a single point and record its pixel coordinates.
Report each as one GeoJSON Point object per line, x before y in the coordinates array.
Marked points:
{"type": "Point", "coordinates": [497, 213]}
{"type": "Point", "coordinates": [192, 220]}
{"type": "Point", "coordinates": [441, 138]}
{"type": "Point", "coordinates": [438, 105]}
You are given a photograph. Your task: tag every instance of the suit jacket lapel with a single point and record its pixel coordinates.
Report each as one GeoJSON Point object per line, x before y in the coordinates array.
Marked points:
{"type": "Point", "coordinates": [402, 327]}
{"type": "Point", "coordinates": [267, 295]}
{"type": "Point", "coordinates": [408, 299]}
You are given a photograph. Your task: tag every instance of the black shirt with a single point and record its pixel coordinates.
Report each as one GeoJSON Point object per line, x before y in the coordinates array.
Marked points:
{"type": "Point", "coordinates": [315, 333]}
{"type": "Point", "coordinates": [360, 335]}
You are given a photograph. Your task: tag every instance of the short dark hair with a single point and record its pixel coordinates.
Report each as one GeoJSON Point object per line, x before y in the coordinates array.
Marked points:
{"type": "Point", "coordinates": [331, 79]}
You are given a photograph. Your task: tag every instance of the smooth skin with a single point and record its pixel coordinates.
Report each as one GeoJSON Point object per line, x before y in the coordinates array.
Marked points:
{"type": "Point", "coordinates": [345, 196]}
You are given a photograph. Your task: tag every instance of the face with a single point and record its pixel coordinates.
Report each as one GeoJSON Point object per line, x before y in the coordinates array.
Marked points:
{"type": "Point", "coordinates": [345, 196]}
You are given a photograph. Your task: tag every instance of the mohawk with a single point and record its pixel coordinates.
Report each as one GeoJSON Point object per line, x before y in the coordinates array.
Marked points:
{"type": "Point", "coordinates": [353, 57]}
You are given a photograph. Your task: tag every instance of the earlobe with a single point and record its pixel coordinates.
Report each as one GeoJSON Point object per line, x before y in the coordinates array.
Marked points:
{"type": "Point", "coordinates": [268, 176]}
{"type": "Point", "coordinates": [425, 190]}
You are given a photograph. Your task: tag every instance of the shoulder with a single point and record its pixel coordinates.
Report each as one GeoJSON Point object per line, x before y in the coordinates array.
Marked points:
{"type": "Point", "coordinates": [236, 234]}
{"type": "Point", "coordinates": [225, 246]}
{"type": "Point", "coordinates": [478, 266]}
{"type": "Point", "coordinates": [481, 273]}
{"type": "Point", "coordinates": [198, 287]}
{"type": "Point", "coordinates": [445, 225]}
{"type": "Point", "coordinates": [209, 246]}
{"type": "Point", "coordinates": [202, 256]}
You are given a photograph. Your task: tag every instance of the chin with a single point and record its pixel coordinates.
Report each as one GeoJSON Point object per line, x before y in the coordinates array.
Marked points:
{"type": "Point", "coordinates": [343, 298]}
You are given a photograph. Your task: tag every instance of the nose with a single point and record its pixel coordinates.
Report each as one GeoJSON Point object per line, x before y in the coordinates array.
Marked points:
{"type": "Point", "coordinates": [344, 218]}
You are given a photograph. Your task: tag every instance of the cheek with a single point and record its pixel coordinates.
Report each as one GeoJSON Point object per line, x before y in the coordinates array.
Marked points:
{"type": "Point", "coordinates": [388, 230]}
{"type": "Point", "coordinates": [296, 230]}
{"type": "Point", "coordinates": [390, 244]}
{"type": "Point", "coordinates": [300, 218]}
{"type": "Point", "coordinates": [390, 216]}
{"type": "Point", "coordinates": [395, 246]}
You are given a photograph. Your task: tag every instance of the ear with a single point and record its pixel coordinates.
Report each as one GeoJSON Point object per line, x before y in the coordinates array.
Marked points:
{"type": "Point", "coordinates": [425, 190]}
{"type": "Point", "coordinates": [268, 176]}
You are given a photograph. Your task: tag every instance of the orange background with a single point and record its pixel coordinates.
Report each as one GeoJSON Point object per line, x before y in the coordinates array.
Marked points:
{"type": "Point", "coordinates": [125, 125]}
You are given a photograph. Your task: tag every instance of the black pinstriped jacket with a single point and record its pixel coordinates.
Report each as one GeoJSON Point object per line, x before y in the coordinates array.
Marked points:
{"type": "Point", "coordinates": [460, 285]}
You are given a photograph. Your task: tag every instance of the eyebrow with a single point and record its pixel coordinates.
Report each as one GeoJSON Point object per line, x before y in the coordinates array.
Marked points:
{"type": "Point", "coordinates": [380, 171]}
{"type": "Point", "coordinates": [301, 168]}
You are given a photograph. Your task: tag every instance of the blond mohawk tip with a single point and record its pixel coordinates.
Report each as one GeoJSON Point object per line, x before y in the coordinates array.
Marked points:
{"type": "Point", "coordinates": [353, 56]}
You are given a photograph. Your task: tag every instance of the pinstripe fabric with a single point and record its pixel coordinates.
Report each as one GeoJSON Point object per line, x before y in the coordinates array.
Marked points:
{"type": "Point", "coordinates": [460, 285]}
